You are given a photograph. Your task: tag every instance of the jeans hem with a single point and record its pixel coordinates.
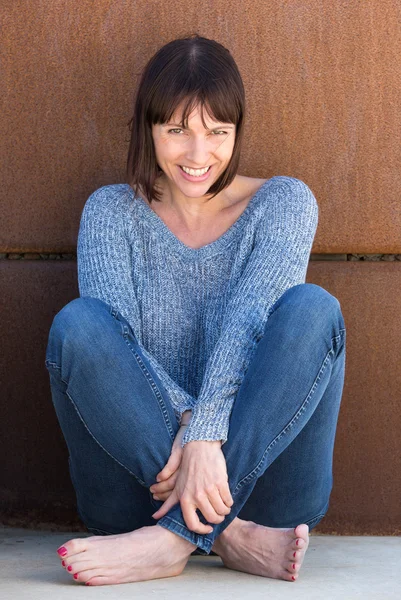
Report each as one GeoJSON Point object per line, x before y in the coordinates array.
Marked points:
{"type": "Point", "coordinates": [204, 545]}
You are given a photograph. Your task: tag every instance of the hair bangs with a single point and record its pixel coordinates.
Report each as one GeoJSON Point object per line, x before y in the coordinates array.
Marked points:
{"type": "Point", "coordinates": [187, 93]}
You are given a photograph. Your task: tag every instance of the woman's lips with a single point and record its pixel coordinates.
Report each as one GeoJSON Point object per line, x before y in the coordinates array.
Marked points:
{"type": "Point", "coordinates": [194, 178]}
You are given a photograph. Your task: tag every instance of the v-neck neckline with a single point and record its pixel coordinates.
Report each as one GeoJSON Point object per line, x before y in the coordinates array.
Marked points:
{"type": "Point", "coordinates": [208, 249]}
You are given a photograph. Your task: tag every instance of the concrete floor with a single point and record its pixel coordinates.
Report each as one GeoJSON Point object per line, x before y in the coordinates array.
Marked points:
{"type": "Point", "coordinates": [334, 568]}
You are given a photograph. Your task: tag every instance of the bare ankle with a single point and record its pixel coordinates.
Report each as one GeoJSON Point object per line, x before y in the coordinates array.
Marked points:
{"type": "Point", "coordinates": [181, 542]}
{"type": "Point", "coordinates": [227, 536]}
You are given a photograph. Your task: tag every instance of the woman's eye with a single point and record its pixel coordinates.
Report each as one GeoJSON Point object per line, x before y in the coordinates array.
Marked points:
{"type": "Point", "coordinates": [177, 131]}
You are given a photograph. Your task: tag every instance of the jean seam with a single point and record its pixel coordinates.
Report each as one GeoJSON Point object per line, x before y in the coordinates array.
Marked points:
{"type": "Point", "coordinates": [245, 480]}
{"type": "Point", "coordinates": [49, 363]}
{"type": "Point", "coordinates": [97, 442]}
{"type": "Point", "coordinates": [150, 380]}
{"type": "Point", "coordinates": [315, 518]}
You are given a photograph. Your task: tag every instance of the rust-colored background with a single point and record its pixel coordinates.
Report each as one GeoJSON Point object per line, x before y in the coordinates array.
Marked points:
{"type": "Point", "coordinates": [323, 82]}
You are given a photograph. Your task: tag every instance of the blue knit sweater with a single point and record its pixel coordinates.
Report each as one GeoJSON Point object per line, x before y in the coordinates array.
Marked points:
{"type": "Point", "coordinates": [197, 314]}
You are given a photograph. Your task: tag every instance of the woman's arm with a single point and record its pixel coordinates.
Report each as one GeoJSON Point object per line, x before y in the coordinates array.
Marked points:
{"type": "Point", "coordinates": [278, 262]}
{"type": "Point", "coordinates": [105, 272]}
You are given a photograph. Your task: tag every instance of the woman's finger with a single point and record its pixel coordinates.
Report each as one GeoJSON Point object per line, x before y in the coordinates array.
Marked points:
{"type": "Point", "coordinates": [226, 495]}
{"type": "Point", "coordinates": [162, 497]}
{"type": "Point", "coordinates": [169, 503]}
{"type": "Point", "coordinates": [208, 511]}
{"type": "Point", "coordinates": [164, 486]}
{"type": "Point", "coordinates": [172, 465]}
{"type": "Point", "coordinates": [217, 503]}
{"type": "Point", "coordinates": [192, 520]}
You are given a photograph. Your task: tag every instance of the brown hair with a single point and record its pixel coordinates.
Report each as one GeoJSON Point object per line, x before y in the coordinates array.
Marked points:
{"type": "Point", "coordinates": [196, 71]}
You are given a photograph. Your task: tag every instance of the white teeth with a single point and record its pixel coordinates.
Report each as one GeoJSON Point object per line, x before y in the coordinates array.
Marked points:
{"type": "Point", "coordinates": [195, 172]}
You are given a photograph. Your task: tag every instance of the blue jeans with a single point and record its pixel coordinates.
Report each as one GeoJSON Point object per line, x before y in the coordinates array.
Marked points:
{"type": "Point", "coordinates": [119, 425]}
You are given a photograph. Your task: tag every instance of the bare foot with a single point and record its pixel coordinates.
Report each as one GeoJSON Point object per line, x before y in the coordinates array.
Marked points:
{"type": "Point", "coordinates": [147, 553]}
{"type": "Point", "coordinates": [266, 551]}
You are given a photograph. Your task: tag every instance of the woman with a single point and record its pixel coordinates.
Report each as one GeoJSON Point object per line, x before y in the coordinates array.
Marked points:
{"type": "Point", "coordinates": [197, 373]}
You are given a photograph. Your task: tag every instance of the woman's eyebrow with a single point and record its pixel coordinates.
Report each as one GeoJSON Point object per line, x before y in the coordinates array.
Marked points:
{"type": "Point", "coordinates": [225, 125]}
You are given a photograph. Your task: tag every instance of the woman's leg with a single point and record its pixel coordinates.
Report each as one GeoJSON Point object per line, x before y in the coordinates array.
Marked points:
{"type": "Point", "coordinates": [114, 413]}
{"type": "Point", "coordinates": [297, 485]}
{"type": "Point", "coordinates": [305, 310]}
{"type": "Point", "coordinates": [110, 500]}
{"type": "Point", "coordinates": [297, 373]}
{"type": "Point", "coordinates": [119, 428]}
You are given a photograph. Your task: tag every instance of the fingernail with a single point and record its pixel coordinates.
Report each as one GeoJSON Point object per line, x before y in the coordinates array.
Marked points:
{"type": "Point", "coordinates": [69, 568]}
{"type": "Point", "coordinates": [62, 551]}
{"type": "Point", "coordinates": [156, 497]}
{"type": "Point", "coordinates": [75, 575]}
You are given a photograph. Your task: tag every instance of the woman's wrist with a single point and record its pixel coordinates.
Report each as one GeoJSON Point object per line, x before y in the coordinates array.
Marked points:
{"type": "Point", "coordinates": [186, 417]}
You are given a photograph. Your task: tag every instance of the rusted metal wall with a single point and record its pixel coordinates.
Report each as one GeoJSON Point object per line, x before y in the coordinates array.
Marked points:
{"type": "Point", "coordinates": [323, 88]}
{"type": "Point", "coordinates": [323, 83]}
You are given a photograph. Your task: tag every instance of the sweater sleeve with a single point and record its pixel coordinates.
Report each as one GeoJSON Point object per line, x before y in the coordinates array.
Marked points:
{"type": "Point", "coordinates": [278, 261]}
{"type": "Point", "coordinates": [104, 272]}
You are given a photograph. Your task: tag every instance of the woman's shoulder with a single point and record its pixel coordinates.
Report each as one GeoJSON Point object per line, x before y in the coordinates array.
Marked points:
{"type": "Point", "coordinates": [248, 186]}
{"type": "Point", "coordinates": [110, 197]}
{"type": "Point", "coordinates": [111, 191]}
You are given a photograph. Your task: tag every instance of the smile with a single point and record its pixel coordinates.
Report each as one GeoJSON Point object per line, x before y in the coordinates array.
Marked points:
{"type": "Point", "coordinates": [195, 172]}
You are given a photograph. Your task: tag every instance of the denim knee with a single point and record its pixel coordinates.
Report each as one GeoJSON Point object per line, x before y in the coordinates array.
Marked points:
{"type": "Point", "coordinates": [75, 324]}
{"type": "Point", "coordinates": [71, 314]}
{"type": "Point", "coordinates": [314, 304]}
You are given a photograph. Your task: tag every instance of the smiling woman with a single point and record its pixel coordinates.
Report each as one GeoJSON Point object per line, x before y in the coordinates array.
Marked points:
{"type": "Point", "coordinates": [197, 362]}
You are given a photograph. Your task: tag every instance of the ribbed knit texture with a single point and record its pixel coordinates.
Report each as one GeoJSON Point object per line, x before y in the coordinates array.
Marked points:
{"type": "Point", "coordinates": [197, 314]}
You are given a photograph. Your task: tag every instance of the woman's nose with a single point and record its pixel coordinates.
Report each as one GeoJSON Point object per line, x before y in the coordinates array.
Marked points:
{"type": "Point", "coordinates": [198, 152]}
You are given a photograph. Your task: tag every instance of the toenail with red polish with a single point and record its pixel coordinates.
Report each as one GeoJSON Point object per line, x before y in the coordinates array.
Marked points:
{"type": "Point", "coordinates": [293, 566]}
{"type": "Point", "coordinates": [294, 555]}
{"type": "Point", "coordinates": [297, 542]}
{"type": "Point", "coordinates": [75, 575]}
{"type": "Point", "coordinates": [293, 578]}
{"type": "Point", "coordinates": [62, 551]}
{"type": "Point", "coordinates": [69, 568]}
{"type": "Point", "coordinates": [63, 563]}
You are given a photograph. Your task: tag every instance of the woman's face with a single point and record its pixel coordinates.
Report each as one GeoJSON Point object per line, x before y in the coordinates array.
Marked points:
{"type": "Point", "coordinates": [193, 158]}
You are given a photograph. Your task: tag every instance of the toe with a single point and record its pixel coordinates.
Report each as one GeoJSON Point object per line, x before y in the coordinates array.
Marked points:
{"type": "Point", "coordinates": [289, 576]}
{"type": "Point", "coordinates": [302, 531]}
{"type": "Point", "coordinates": [72, 547]}
{"type": "Point", "coordinates": [84, 576]}
{"type": "Point", "coordinates": [293, 567]}
{"type": "Point", "coordinates": [298, 544]}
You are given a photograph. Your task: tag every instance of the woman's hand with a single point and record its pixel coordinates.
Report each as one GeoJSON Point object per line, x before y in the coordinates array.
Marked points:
{"type": "Point", "coordinates": [201, 483]}
{"type": "Point", "coordinates": [168, 475]}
